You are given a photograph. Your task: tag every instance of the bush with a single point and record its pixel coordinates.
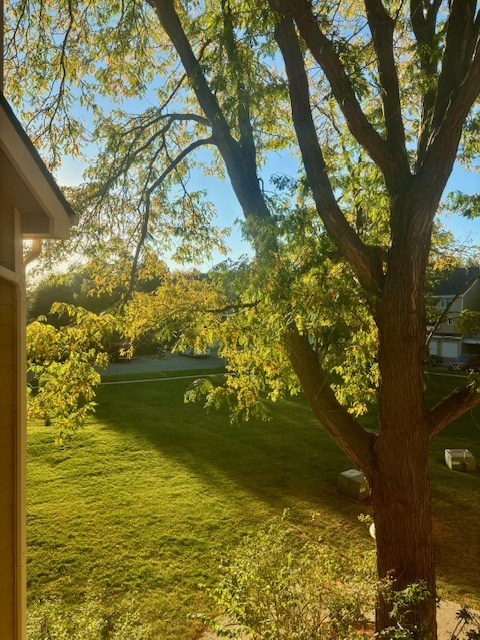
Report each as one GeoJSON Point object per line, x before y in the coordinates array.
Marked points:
{"type": "Point", "coordinates": [92, 620]}
{"type": "Point", "coordinates": [279, 585]}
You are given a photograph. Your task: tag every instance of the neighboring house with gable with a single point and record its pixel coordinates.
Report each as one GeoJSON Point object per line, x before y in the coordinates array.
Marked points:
{"type": "Point", "coordinates": [31, 207]}
{"type": "Point", "coordinates": [452, 296]}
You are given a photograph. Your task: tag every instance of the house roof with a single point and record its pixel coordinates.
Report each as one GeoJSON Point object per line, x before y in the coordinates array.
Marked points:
{"type": "Point", "coordinates": [32, 186]}
{"type": "Point", "coordinates": [458, 282]}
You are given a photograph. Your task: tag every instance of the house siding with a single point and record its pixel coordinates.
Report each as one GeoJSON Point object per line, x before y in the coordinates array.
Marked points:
{"type": "Point", "coordinates": [448, 340]}
{"type": "Point", "coordinates": [7, 235]}
{"type": "Point", "coordinates": [8, 419]}
{"type": "Point", "coordinates": [471, 298]}
{"type": "Point", "coordinates": [453, 313]}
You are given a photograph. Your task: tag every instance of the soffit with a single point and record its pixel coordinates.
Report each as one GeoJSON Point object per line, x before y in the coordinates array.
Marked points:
{"type": "Point", "coordinates": [26, 183]}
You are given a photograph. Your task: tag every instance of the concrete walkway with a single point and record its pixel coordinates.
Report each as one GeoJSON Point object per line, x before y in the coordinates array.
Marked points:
{"type": "Point", "coordinates": [151, 364]}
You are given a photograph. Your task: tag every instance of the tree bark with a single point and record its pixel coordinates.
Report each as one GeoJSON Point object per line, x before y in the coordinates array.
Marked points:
{"type": "Point", "coordinates": [403, 521]}
{"type": "Point", "coordinates": [400, 480]}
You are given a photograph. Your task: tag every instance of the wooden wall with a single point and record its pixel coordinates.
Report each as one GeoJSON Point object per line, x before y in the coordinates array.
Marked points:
{"type": "Point", "coordinates": [7, 234]}
{"type": "Point", "coordinates": [8, 419]}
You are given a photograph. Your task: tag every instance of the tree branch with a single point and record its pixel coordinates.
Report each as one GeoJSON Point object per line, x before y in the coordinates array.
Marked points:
{"type": "Point", "coordinates": [460, 41]}
{"type": "Point", "coordinates": [133, 152]}
{"type": "Point", "coordinates": [445, 137]}
{"type": "Point", "coordinates": [148, 195]}
{"type": "Point", "coordinates": [324, 53]}
{"type": "Point", "coordinates": [382, 28]}
{"type": "Point", "coordinates": [336, 225]}
{"type": "Point", "coordinates": [176, 161]}
{"type": "Point", "coordinates": [424, 26]}
{"type": "Point", "coordinates": [243, 110]}
{"type": "Point", "coordinates": [458, 89]}
{"type": "Point", "coordinates": [452, 407]}
{"type": "Point", "coordinates": [240, 166]}
{"type": "Point", "coordinates": [341, 425]}
{"type": "Point", "coordinates": [242, 172]}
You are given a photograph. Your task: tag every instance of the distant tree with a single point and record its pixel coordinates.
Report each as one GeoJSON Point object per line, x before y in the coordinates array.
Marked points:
{"type": "Point", "coordinates": [48, 291]}
{"type": "Point", "coordinates": [99, 285]}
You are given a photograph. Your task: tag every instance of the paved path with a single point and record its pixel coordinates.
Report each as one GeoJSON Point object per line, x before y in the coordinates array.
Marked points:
{"type": "Point", "coordinates": [150, 364]}
{"type": "Point", "coordinates": [195, 375]}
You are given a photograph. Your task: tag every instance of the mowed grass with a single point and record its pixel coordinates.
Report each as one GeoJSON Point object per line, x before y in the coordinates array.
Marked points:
{"type": "Point", "coordinates": [138, 501]}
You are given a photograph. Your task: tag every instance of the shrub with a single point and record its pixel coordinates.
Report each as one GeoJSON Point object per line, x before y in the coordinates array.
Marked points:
{"type": "Point", "coordinates": [279, 585]}
{"type": "Point", "coordinates": [92, 620]}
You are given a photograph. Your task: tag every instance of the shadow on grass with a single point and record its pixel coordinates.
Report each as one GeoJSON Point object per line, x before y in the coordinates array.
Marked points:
{"type": "Point", "coordinates": [291, 462]}
{"type": "Point", "coordinates": [284, 461]}
{"type": "Point", "coordinates": [456, 509]}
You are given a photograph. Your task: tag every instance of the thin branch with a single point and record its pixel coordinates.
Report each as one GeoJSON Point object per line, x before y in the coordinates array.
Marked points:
{"type": "Point", "coordinates": [191, 147]}
{"type": "Point", "coordinates": [128, 156]}
{"type": "Point", "coordinates": [234, 307]}
{"type": "Point", "coordinates": [174, 91]}
{"type": "Point", "coordinates": [144, 228]}
{"type": "Point", "coordinates": [147, 198]}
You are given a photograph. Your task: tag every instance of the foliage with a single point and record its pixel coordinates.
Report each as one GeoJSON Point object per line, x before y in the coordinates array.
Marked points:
{"type": "Point", "coordinates": [469, 321]}
{"type": "Point", "coordinates": [281, 585]}
{"type": "Point", "coordinates": [92, 620]}
{"type": "Point", "coordinates": [64, 363]}
{"type": "Point", "coordinates": [468, 622]}
{"type": "Point", "coordinates": [402, 601]}
{"type": "Point", "coordinates": [97, 283]}
{"type": "Point", "coordinates": [146, 157]}
{"type": "Point", "coordinates": [183, 301]}
{"type": "Point", "coordinates": [67, 66]}
{"type": "Point", "coordinates": [467, 205]}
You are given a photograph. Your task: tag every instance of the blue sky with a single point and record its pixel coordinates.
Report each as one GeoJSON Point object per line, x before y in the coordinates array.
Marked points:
{"type": "Point", "coordinates": [228, 210]}
{"type": "Point", "coordinates": [463, 229]}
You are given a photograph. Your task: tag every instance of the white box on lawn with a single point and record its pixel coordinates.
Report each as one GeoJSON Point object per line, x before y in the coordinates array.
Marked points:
{"type": "Point", "coordinates": [460, 460]}
{"type": "Point", "coordinates": [352, 483]}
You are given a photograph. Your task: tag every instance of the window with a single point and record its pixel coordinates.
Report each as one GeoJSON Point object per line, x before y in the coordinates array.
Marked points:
{"type": "Point", "coordinates": [450, 321]}
{"type": "Point", "coordinates": [444, 303]}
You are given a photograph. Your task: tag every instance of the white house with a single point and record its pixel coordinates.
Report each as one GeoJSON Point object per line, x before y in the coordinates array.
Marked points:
{"type": "Point", "coordinates": [452, 296]}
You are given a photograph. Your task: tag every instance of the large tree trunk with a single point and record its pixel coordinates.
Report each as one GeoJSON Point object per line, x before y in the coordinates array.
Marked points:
{"type": "Point", "coordinates": [403, 522]}
{"type": "Point", "coordinates": [400, 479]}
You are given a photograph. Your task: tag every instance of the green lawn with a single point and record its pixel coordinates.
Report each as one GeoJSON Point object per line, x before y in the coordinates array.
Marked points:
{"type": "Point", "coordinates": [139, 499]}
